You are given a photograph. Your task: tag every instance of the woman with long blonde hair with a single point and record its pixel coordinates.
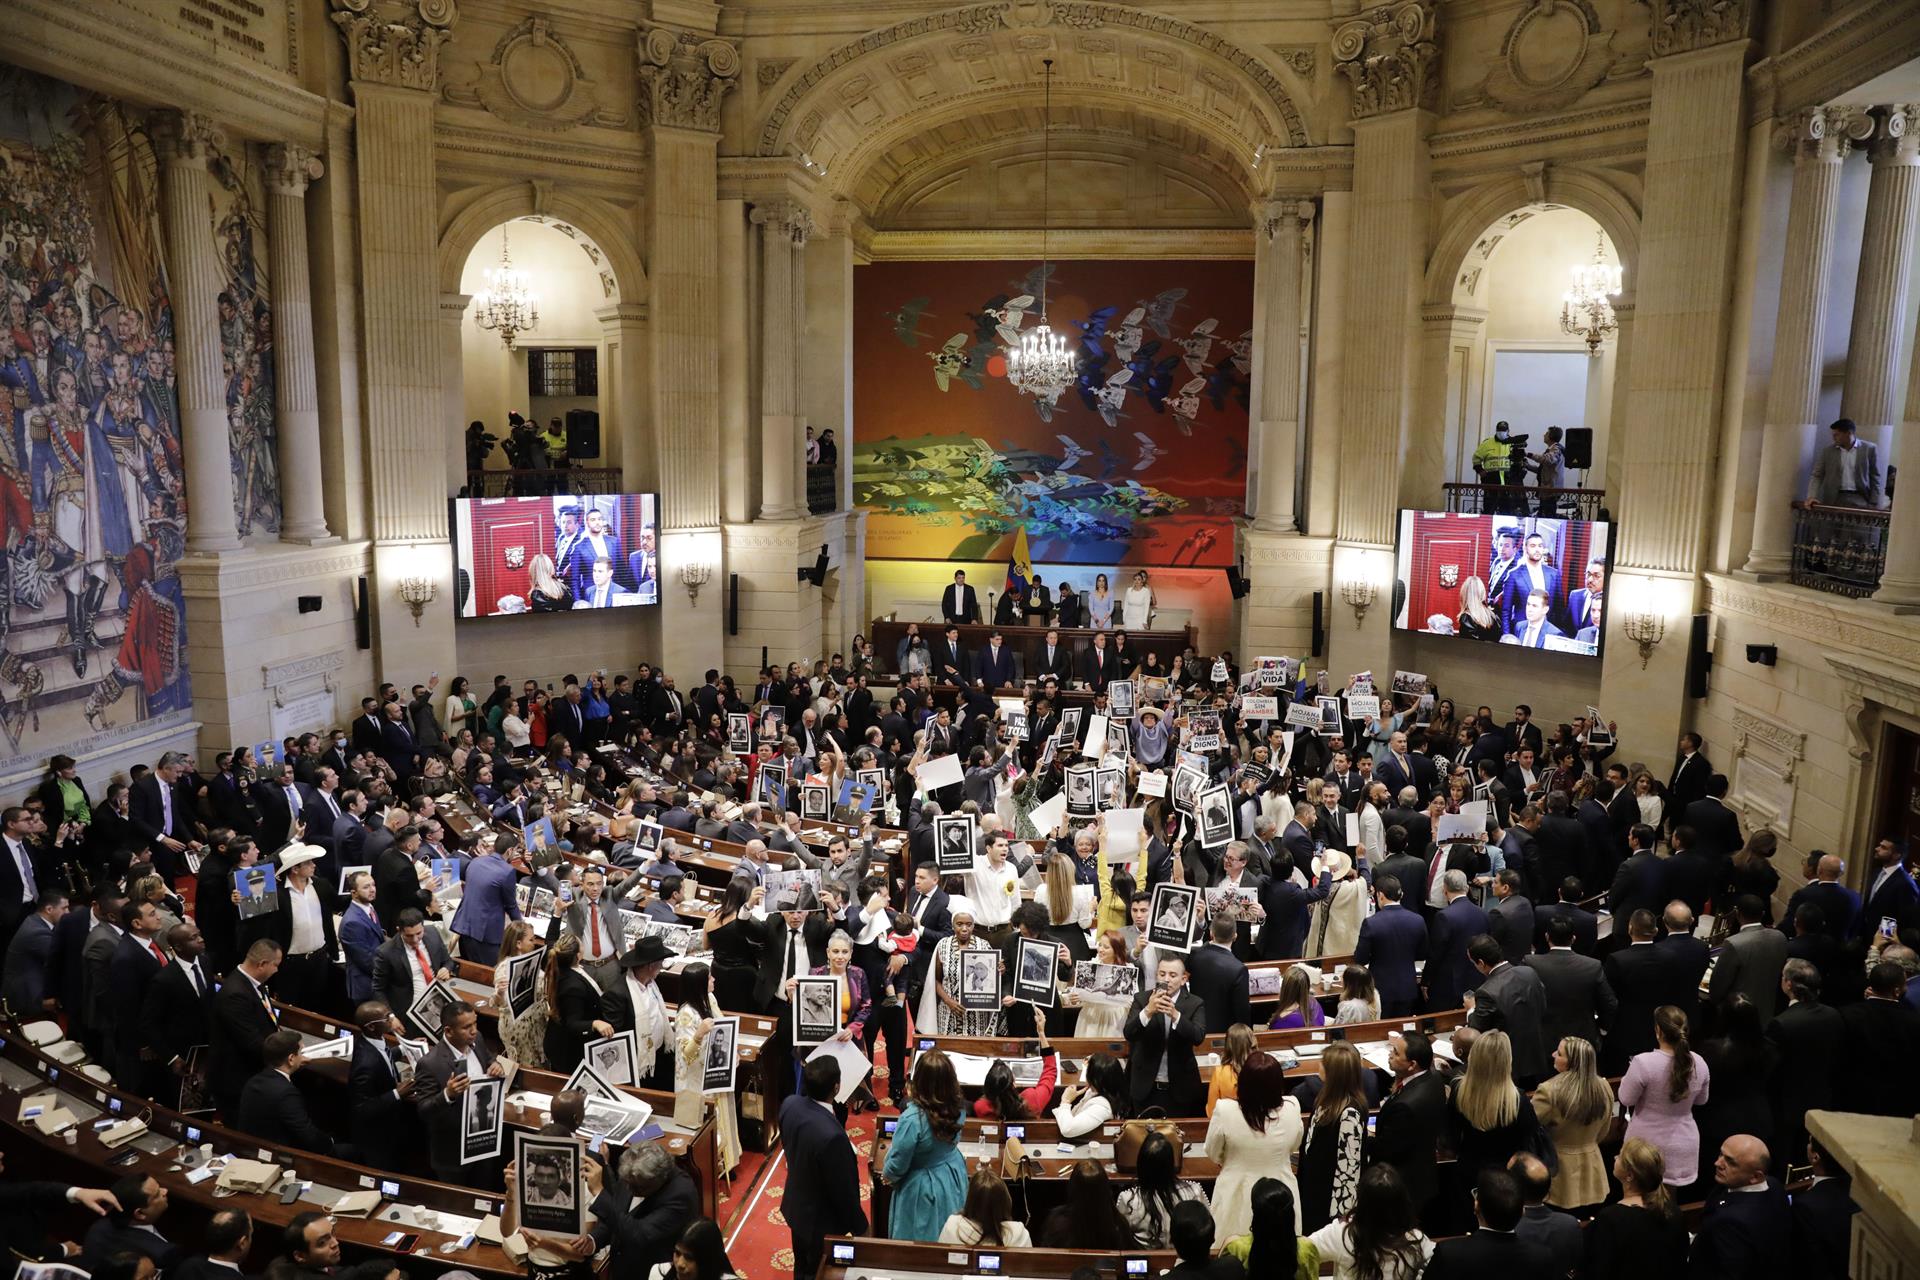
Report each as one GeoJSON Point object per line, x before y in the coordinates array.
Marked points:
{"type": "Point", "coordinates": [1574, 1107]}
{"type": "Point", "coordinates": [1477, 621]}
{"type": "Point", "coordinates": [1490, 1120]}
{"type": "Point", "coordinates": [545, 592]}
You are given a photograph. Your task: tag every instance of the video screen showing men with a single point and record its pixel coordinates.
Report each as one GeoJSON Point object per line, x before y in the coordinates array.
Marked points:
{"type": "Point", "coordinates": [556, 554]}
{"type": "Point", "coordinates": [1533, 581]}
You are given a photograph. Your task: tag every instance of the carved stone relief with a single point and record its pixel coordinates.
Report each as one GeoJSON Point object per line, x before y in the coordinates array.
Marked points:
{"type": "Point", "coordinates": [533, 79]}
{"type": "Point", "coordinates": [1553, 52]}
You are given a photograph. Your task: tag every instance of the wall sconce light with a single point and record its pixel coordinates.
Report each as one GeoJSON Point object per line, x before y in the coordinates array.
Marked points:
{"type": "Point", "coordinates": [1360, 593]}
{"type": "Point", "coordinates": [1646, 627]}
{"type": "Point", "coordinates": [418, 592]}
{"type": "Point", "coordinates": [693, 577]}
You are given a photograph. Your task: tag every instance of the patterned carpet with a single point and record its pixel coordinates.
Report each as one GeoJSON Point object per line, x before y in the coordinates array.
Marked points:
{"type": "Point", "coordinates": [758, 1242]}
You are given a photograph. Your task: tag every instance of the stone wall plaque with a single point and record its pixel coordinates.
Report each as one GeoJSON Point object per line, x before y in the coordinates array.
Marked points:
{"type": "Point", "coordinates": [262, 30]}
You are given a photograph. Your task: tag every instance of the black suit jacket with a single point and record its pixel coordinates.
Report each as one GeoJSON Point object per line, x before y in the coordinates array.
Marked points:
{"type": "Point", "coordinates": [1822, 1226]}
{"type": "Point", "coordinates": [643, 1235]}
{"type": "Point", "coordinates": [1586, 926]}
{"type": "Point", "coordinates": [960, 604]}
{"type": "Point", "coordinates": [439, 1113]}
{"type": "Point", "coordinates": [1880, 1033]}
{"type": "Point", "coordinates": [1488, 1253]}
{"type": "Point", "coordinates": [1639, 884]}
{"type": "Point", "coordinates": [383, 1123]}
{"type": "Point", "coordinates": [952, 655]}
{"type": "Point", "coordinates": [814, 931]}
{"type": "Point", "coordinates": [177, 1017]}
{"type": "Point", "coordinates": [1175, 1042]}
{"type": "Point", "coordinates": [823, 1194]}
{"type": "Point", "coordinates": [1408, 1132]}
{"type": "Point", "coordinates": [1099, 667]}
{"type": "Point", "coordinates": [1512, 999]}
{"type": "Point", "coordinates": [1811, 1040]}
{"type": "Point", "coordinates": [276, 815]}
{"type": "Point", "coordinates": [393, 966]}
{"type": "Point", "coordinates": [25, 1210]}
{"type": "Point", "coordinates": [1220, 981]}
{"type": "Point", "coordinates": [114, 1234]}
{"type": "Point", "coordinates": [1747, 1233]}
{"type": "Point", "coordinates": [1515, 736]}
{"type": "Point", "coordinates": [1688, 783]}
{"type": "Point", "coordinates": [1643, 977]}
{"type": "Point", "coordinates": [1579, 1001]}
{"type": "Point", "coordinates": [396, 886]}
{"type": "Point", "coordinates": [1060, 666]}
{"type": "Point", "coordinates": [132, 971]}
{"type": "Point", "coordinates": [145, 812]}
{"type": "Point", "coordinates": [240, 1022]}
{"type": "Point", "coordinates": [1716, 828]}
{"type": "Point", "coordinates": [273, 1110]}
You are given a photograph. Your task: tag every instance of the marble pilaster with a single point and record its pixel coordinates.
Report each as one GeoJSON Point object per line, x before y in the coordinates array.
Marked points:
{"type": "Point", "coordinates": [1277, 278]}
{"type": "Point", "coordinates": [1881, 297]}
{"type": "Point", "coordinates": [289, 170]}
{"type": "Point", "coordinates": [784, 228]}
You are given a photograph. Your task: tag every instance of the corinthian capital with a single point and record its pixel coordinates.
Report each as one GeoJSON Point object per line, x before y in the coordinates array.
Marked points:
{"type": "Point", "coordinates": [791, 218]}
{"type": "Point", "coordinates": [1285, 215]}
{"type": "Point", "coordinates": [1389, 52]}
{"type": "Point", "coordinates": [1896, 140]}
{"type": "Point", "coordinates": [290, 168]}
{"type": "Point", "coordinates": [184, 137]}
{"type": "Point", "coordinates": [395, 42]}
{"type": "Point", "coordinates": [1824, 134]}
{"type": "Point", "coordinates": [683, 77]}
{"type": "Point", "coordinates": [1678, 26]}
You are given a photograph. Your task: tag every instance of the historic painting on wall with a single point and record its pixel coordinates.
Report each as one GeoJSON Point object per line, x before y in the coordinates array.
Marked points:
{"type": "Point", "coordinates": [1143, 460]}
{"type": "Point", "coordinates": [246, 339]}
{"type": "Point", "coordinates": [92, 495]}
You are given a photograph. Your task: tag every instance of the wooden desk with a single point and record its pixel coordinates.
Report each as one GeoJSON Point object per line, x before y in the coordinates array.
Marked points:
{"type": "Point", "coordinates": [25, 1070]}
{"type": "Point", "coordinates": [1025, 642]}
{"type": "Point", "coordinates": [874, 1258]}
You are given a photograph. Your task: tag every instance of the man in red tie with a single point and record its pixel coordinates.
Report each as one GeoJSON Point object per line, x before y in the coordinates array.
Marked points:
{"type": "Point", "coordinates": [137, 961]}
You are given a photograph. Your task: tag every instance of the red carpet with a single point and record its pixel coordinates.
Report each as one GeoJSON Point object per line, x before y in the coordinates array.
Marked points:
{"type": "Point", "coordinates": [758, 1242]}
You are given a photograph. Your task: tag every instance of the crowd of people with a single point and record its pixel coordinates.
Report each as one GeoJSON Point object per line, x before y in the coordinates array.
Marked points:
{"type": "Point", "coordinates": [1510, 869]}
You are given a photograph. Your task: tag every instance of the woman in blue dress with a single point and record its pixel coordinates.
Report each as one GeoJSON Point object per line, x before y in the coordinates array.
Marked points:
{"type": "Point", "coordinates": [1100, 605]}
{"type": "Point", "coordinates": [924, 1165]}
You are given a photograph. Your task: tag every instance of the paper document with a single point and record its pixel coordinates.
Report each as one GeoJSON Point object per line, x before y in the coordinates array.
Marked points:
{"type": "Point", "coordinates": [854, 1064]}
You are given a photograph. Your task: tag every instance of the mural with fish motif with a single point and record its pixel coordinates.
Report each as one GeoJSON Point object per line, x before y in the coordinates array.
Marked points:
{"type": "Point", "coordinates": [1143, 461]}
{"type": "Point", "coordinates": [92, 496]}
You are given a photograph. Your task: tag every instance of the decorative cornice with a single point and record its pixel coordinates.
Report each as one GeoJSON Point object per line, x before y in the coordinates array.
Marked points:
{"type": "Point", "coordinates": [290, 168]}
{"type": "Point", "coordinates": [1823, 134]}
{"type": "Point", "coordinates": [1681, 26]}
{"type": "Point", "coordinates": [1389, 54]}
{"type": "Point", "coordinates": [210, 577]}
{"type": "Point", "coordinates": [395, 42]}
{"type": "Point", "coordinates": [300, 668]}
{"type": "Point", "coordinates": [1868, 631]}
{"type": "Point", "coordinates": [1863, 40]}
{"type": "Point", "coordinates": [455, 142]}
{"type": "Point", "coordinates": [1783, 738]}
{"type": "Point", "coordinates": [185, 137]}
{"type": "Point", "coordinates": [923, 246]}
{"type": "Point", "coordinates": [1626, 120]}
{"type": "Point", "coordinates": [683, 78]}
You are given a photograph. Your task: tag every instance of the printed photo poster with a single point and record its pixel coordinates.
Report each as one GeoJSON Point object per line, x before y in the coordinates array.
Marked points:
{"type": "Point", "coordinates": [1120, 700]}
{"type": "Point", "coordinates": [523, 974]}
{"type": "Point", "coordinates": [815, 801]}
{"type": "Point", "coordinates": [427, 1012]}
{"type": "Point", "coordinates": [1203, 731]}
{"type": "Point", "coordinates": [1188, 782]}
{"type": "Point", "coordinates": [1110, 789]}
{"type": "Point", "coordinates": [591, 1083]}
{"type": "Point", "coordinates": [1215, 812]}
{"type": "Point", "coordinates": [722, 1057]}
{"type": "Point", "coordinates": [1082, 798]}
{"type": "Point", "coordinates": [547, 1188]}
{"type": "Point", "coordinates": [816, 1009]}
{"type": "Point", "coordinates": [616, 1121]}
{"type": "Point", "coordinates": [1412, 683]}
{"type": "Point", "coordinates": [1329, 714]}
{"type": "Point", "coordinates": [646, 839]}
{"type": "Point", "coordinates": [613, 1058]}
{"type": "Point", "coordinates": [954, 838]}
{"type": "Point", "coordinates": [259, 889]}
{"type": "Point", "coordinates": [1034, 973]}
{"type": "Point", "coordinates": [1171, 915]}
{"type": "Point", "coordinates": [1071, 719]}
{"type": "Point", "coordinates": [540, 835]}
{"type": "Point", "coordinates": [482, 1119]}
{"type": "Point", "coordinates": [1118, 748]}
{"type": "Point", "coordinates": [980, 979]}
{"type": "Point", "coordinates": [1233, 902]}
{"type": "Point", "coordinates": [875, 780]}
{"type": "Point", "coordinates": [792, 890]}
{"type": "Point", "coordinates": [739, 733]}
{"type": "Point", "coordinates": [773, 783]}
{"type": "Point", "coordinates": [266, 756]}
{"type": "Point", "coordinates": [1106, 983]}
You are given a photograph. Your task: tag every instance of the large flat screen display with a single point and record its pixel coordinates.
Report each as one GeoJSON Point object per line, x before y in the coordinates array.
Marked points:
{"type": "Point", "coordinates": [1535, 581]}
{"type": "Point", "coordinates": [555, 554]}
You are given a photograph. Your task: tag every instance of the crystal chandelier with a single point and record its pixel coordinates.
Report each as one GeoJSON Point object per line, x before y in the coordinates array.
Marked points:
{"type": "Point", "coordinates": [1041, 364]}
{"type": "Point", "coordinates": [1587, 310]}
{"type": "Point", "coordinates": [508, 304]}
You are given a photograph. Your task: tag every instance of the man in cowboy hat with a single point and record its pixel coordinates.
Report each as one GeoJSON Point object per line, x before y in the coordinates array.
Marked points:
{"type": "Point", "coordinates": [302, 923]}
{"type": "Point", "coordinates": [635, 1005]}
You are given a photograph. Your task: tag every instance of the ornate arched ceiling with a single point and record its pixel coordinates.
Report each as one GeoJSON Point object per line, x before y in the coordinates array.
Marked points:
{"type": "Point", "coordinates": [864, 99]}
{"type": "Point", "coordinates": [1112, 165]}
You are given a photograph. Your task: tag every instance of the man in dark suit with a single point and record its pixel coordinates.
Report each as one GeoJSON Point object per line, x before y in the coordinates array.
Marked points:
{"type": "Point", "coordinates": [1511, 999]}
{"type": "Point", "coordinates": [1823, 1218]}
{"type": "Point", "coordinates": [1559, 847]}
{"type": "Point", "coordinates": [949, 658]}
{"type": "Point", "coordinates": [242, 1019]}
{"type": "Point", "coordinates": [28, 1207]}
{"type": "Point", "coordinates": [230, 792]}
{"type": "Point", "coordinates": [1493, 1249]}
{"type": "Point", "coordinates": [643, 1213]}
{"type": "Point", "coordinates": [1052, 658]}
{"type": "Point", "coordinates": [488, 900]}
{"type": "Point", "coordinates": [228, 1239]}
{"type": "Point", "coordinates": [1521, 731]}
{"type": "Point", "coordinates": [137, 960]}
{"type": "Point", "coordinates": [398, 747]}
{"type": "Point", "coordinates": [1688, 782]}
{"type": "Point", "coordinates": [281, 801]}
{"type": "Point", "coordinates": [1640, 882]}
{"type": "Point", "coordinates": [397, 975]}
{"type": "Point", "coordinates": [1891, 893]}
{"type": "Point", "coordinates": [271, 1106]}
{"type": "Point", "coordinates": [369, 729]}
{"type": "Point", "coordinates": [1219, 978]}
{"type": "Point", "coordinates": [1748, 1229]}
{"type": "Point", "coordinates": [1098, 666]}
{"type": "Point", "coordinates": [441, 1079]}
{"type": "Point", "coordinates": [25, 869]}
{"type": "Point", "coordinates": [1686, 956]}
{"type": "Point", "coordinates": [1163, 1026]}
{"type": "Point", "coordinates": [1692, 875]}
{"type": "Point", "coordinates": [1751, 960]}
{"type": "Point", "coordinates": [1716, 828]}
{"type": "Point", "coordinates": [179, 1009]}
{"type": "Point", "coordinates": [1288, 907]}
{"type": "Point", "coordinates": [1392, 940]}
{"type": "Point", "coordinates": [1585, 925]}
{"type": "Point", "coordinates": [1882, 1035]}
{"type": "Point", "coordinates": [31, 982]}
{"type": "Point", "coordinates": [1450, 973]}
{"type": "Point", "coordinates": [143, 1202]}
{"type": "Point", "coordinates": [1810, 1038]}
{"type": "Point", "coordinates": [1401, 768]}
{"type": "Point", "coordinates": [96, 977]}
{"type": "Point", "coordinates": [1412, 1119]}
{"type": "Point", "coordinates": [1510, 917]}
{"type": "Point", "coordinates": [1839, 905]}
{"type": "Point", "coordinates": [994, 663]}
{"type": "Point", "coordinates": [959, 603]}
{"type": "Point", "coordinates": [161, 813]}
{"type": "Point", "coordinates": [1578, 1000]}
{"type": "Point", "coordinates": [1641, 979]}
{"type": "Point", "coordinates": [396, 878]}
{"type": "Point", "coordinates": [385, 1124]}
{"type": "Point", "coordinates": [823, 1188]}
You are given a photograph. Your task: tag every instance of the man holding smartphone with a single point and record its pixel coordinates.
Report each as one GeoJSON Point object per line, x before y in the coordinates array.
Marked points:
{"type": "Point", "coordinates": [1163, 1026]}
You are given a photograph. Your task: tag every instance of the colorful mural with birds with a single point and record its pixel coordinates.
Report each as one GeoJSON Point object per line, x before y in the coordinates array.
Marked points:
{"type": "Point", "coordinates": [1141, 460]}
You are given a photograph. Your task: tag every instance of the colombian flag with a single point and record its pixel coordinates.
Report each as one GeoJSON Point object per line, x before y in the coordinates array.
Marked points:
{"type": "Point", "coordinates": [1019, 567]}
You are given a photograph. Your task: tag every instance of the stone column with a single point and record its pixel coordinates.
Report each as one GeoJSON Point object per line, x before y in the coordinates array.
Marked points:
{"type": "Point", "coordinates": [184, 143]}
{"type": "Point", "coordinates": [1277, 272]}
{"type": "Point", "coordinates": [737, 486]}
{"type": "Point", "coordinates": [1886, 262]}
{"type": "Point", "coordinates": [295, 402]}
{"type": "Point", "coordinates": [784, 228]}
{"type": "Point", "coordinates": [393, 62]}
{"type": "Point", "coordinates": [827, 348]}
{"type": "Point", "coordinates": [1820, 140]}
{"type": "Point", "coordinates": [1900, 583]}
{"type": "Point", "coordinates": [626, 435]}
{"type": "Point", "coordinates": [453, 387]}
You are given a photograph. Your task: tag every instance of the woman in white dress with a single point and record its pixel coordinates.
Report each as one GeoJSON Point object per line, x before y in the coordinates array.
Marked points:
{"type": "Point", "coordinates": [1336, 921]}
{"type": "Point", "coordinates": [692, 1028]}
{"type": "Point", "coordinates": [942, 986]}
{"type": "Point", "coordinates": [1252, 1137]}
{"type": "Point", "coordinates": [522, 1037]}
{"type": "Point", "coordinates": [1136, 606]}
{"type": "Point", "coordinates": [1101, 1019]}
{"type": "Point", "coordinates": [1647, 796]}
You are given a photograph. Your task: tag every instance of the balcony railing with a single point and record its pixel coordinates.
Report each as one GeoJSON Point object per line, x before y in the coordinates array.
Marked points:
{"type": "Point", "coordinates": [1518, 500]}
{"type": "Point", "coordinates": [823, 488]}
{"type": "Point", "coordinates": [533, 484]}
{"type": "Point", "coordinates": [1839, 549]}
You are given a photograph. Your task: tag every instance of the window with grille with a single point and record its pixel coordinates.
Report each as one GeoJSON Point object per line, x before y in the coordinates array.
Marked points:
{"type": "Point", "coordinates": [563, 371]}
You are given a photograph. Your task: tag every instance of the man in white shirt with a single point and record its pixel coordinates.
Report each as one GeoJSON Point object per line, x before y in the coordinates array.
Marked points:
{"type": "Point", "coordinates": [1847, 474]}
{"type": "Point", "coordinates": [304, 927]}
{"type": "Point", "coordinates": [637, 1006]}
{"type": "Point", "coordinates": [441, 1079]}
{"type": "Point", "coordinates": [994, 886]}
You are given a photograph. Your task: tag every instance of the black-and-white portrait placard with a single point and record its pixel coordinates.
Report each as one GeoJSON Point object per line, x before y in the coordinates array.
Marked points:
{"type": "Point", "coordinates": [1035, 965]}
{"type": "Point", "coordinates": [953, 841]}
{"type": "Point", "coordinates": [1170, 916]}
{"type": "Point", "coordinates": [482, 1112]}
{"type": "Point", "coordinates": [979, 979]}
{"type": "Point", "coordinates": [613, 1057]}
{"type": "Point", "coordinates": [816, 1009]}
{"type": "Point", "coordinates": [1214, 808]}
{"type": "Point", "coordinates": [722, 1057]}
{"type": "Point", "coordinates": [547, 1184]}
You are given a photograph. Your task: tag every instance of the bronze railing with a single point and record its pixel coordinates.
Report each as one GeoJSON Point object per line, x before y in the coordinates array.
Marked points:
{"type": "Point", "coordinates": [823, 488]}
{"type": "Point", "coordinates": [533, 484]}
{"type": "Point", "coordinates": [1517, 500]}
{"type": "Point", "coordinates": [1842, 550]}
